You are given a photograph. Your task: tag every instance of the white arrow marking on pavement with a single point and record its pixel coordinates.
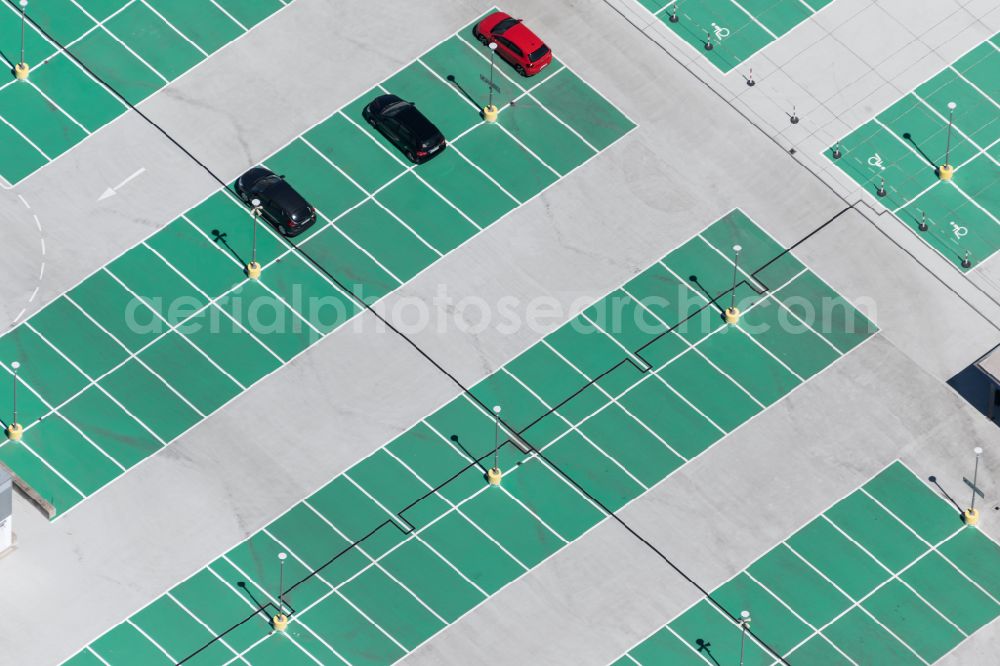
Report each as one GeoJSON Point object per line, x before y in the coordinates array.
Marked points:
{"type": "Point", "coordinates": [111, 191]}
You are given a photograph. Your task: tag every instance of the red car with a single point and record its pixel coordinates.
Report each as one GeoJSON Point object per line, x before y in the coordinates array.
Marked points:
{"type": "Point", "coordinates": [515, 43]}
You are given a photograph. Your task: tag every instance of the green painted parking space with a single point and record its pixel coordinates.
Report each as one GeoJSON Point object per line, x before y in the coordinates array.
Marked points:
{"type": "Point", "coordinates": [83, 659]}
{"type": "Point", "coordinates": [776, 625]}
{"type": "Point", "coordinates": [176, 631]}
{"type": "Point", "coordinates": [960, 600]}
{"type": "Point", "coordinates": [62, 20]}
{"type": "Point", "coordinates": [555, 502]}
{"type": "Point", "coordinates": [351, 148]}
{"type": "Point", "coordinates": [283, 651]}
{"type": "Point", "coordinates": [356, 638]}
{"type": "Point", "coordinates": [832, 552]}
{"type": "Point", "coordinates": [414, 537]}
{"type": "Point", "coordinates": [576, 103]}
{"type": "Point", "coordinates": [813, 301]}
{"type": "Point", "coordinates": [554, 142]}
{"type": "Point", "coordinates": [119, 434]}
{"type": "Point", "coordinates": [710, 633]}
{"type": "Point", "coordinates": [775, 327]}
{"type": "Point", "coordinates": [250, 12]}
{"type": "Point", "coordinates": [819, 650]}
{"type": "Point", "coordinates": [425, 453]}
{"type": "Point", "coordinates": [319, 302]}
{"type": "Point", "coordinates": [430, 216]}
{"type": "Point", "coordinates": [443, 589]}
{"type": "Point", "coordinates": [523, 535]}
{"type": "Point", "coordinates": [625, 440]}
{"type": "Point", "coordinates": [749, 365]}
{"type": "Point", "coordinates": [137, 48]}
{"type": "Point", "coordinates": [913, 621]}
{"type": "Point", "coordinates": [907, 142]}
{"type": "Point", "coordinates": [950, 86]}
{"type": "Point", "coordinates": [223, 220]}
{"type": "Point", "coordinates": [663, 648]}
{"type": "Point", "coordinates": [90, 349]}
{"type": "Point", "coordinates": [126, 644]}
{"type": "Point", "coordinates": [151, 401]}
{"type": "Point", "coordinates": [803, 589]}
{"type": "Point", "coordinates": [155, 283]}
{"type": "Point", "coordinates": [24, 156]}
{"type": "Point", "coordinates": [394, 487]}
{"type": "Point", "coordinates": [875, 530]}
{"type": "Point", "coordinates": [470, 190]}
{"type": "Point", "coordinates": [353, 269]}
{"type": "Point", "coordinates": [56, 490]}
{"type": "Point", "coordinates": [391, 607]}
{"type": "Point", "coordinates": [864, 641]}
{"type": "Point", "coordinates": [399, 249]}
{"type": "Point", "coordinates": [316, 178]}
{"type": "Point", "coordinates": [202, 21]}
{"type": "Point", "coordinates": [420, 84]}
{"type": "Point", "coordinates": [517, 171]}
{"type": "Point", "coordinates": [240, 353]}
{"type": "Point", "coordinates": [156, 43]}
{"type": "Point", "coordinates": [979, 179]}
{"type": "Point", "coordinates": [921, 128]}
{"type": "Point", "coordinates": [180, 363]}
{"type": "Point", "coordinates": [108, 303]}
{"type": "Point", "coordinates": [54, 380]}
{"type": "Point", "coordinates": [55, 432]}
{"type": "Point", "coordinates": [273, 323]}
{"type": "Point", "coordinates": [686, 430]}
{"type": "Point", "coordinates": [49, 129]}
{"type": "Point", "coordinates": [736, 29]}
{"type": "Point", "coordinates": [195, 258]}
{"type": "Point", "coordinates": [843, 588]}
{"type": "Point", "coordinates": [712, 393]}
{"type": "Point", "coordinates": [112, 62]}
{"type": "Point", "coordinates": [602, 477]}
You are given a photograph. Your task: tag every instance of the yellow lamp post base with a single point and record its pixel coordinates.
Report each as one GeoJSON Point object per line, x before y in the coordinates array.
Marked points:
{"type": "Point", "coordinates": [970, 516]}
{"type": "Point", "coordinates": [21, 70]}
{"type": "Point", "coordinates": [732, 315]}
{"type": "Point", "coordinates": [945, 172]}
{"type": "Point", "coordinates": [493, 475]}
{"type": "Point", "coordinates": [14, 432]}
{"type": "Point", "coordinates": [279, 622]}
{"type": "Point", "coordinates": [490, 113]}
{"type": "Point", "coordinates": [253, 270]}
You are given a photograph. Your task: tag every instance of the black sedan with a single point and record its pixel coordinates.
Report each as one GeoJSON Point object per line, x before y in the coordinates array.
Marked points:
{"type": "Point", "coordinates": [408, 129]}
{"type": "Point", "coordinates": [280, 204]}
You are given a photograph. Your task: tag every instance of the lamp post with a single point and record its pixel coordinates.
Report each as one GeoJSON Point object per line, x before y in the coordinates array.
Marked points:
{"type": "Point", "coordinates": [490, 112]}
{"type": "Point", "coordinates": [14, 430]}
{"type": "Point", "coordinates": [280, 621]}
{"type": "Point", "coordinates": [253, 268]}
{"type": "Point", "coordinates": [493, 475]}
{"type": "Point", "coordinates": [970, 515]}
{"type": "Point", "coordinates": [744, 625]}
{"type": "Point", "coordinates": [732, 314]}
{"type": "Point", "coordinates": [21, 69]}
{"type": "Point", "coordinates": [946, 170]}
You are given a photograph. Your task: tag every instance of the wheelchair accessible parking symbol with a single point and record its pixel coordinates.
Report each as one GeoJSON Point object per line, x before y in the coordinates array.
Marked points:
{"type": "Point", "coordinates": [958, 230]}
{"type": "Point", "coordinates": [876, 161]}
{"type": "Point", "coordinates": [720, 32]}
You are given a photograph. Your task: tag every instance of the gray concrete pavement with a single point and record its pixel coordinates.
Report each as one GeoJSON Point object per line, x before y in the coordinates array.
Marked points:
{"type": "Point", "coordinates": [691, 159]}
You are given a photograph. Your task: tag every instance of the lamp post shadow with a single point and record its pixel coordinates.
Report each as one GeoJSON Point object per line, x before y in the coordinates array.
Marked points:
{"type": "Point", "coordinates": [221, 237]}
{"type": "Point", "coordinates": [703, 646]}
{"type": "Point", "coordinates": [909, 138]}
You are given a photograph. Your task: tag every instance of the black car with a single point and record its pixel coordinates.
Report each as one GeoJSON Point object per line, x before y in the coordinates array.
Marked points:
{"type": "Point", "coordinates": [408, 129]}
{"type": "Point", "coordinates": [280, 204]}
